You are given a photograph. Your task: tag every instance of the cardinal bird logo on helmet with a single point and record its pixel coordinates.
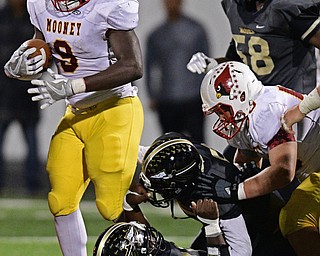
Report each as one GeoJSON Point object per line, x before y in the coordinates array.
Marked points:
{"type": "Point", "coordinates": [223, 83]}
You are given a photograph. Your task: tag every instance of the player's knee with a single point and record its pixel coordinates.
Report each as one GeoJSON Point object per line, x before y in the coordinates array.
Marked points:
{"type": "Point", "coordinates": [107, 212]}
{"type": "Point", "coordinates": [283, 222]}
{"type": "Point", "coordinates": [57, 206]}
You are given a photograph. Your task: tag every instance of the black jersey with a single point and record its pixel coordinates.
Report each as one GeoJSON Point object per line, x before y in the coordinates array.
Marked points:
{"type": "Point", "coordinates": [274, 40]}
{"type": "Point", "coordinates": [214, 164]}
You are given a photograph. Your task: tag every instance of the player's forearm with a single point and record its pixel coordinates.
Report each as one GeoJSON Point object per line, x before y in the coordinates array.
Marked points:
{"type": "Point", "coordinates": [116, 75]}
{"type": "Point", "coordinates": [310, 102]}
{"type": "Point", "coordinates": [268, 180]}
{"type": "Point", "coordinates": [281, 171]}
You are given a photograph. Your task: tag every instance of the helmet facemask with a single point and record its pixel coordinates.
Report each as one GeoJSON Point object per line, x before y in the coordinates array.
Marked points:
{"type": "Point", "coordinates": [164, 189]}
{"type": "Point", "coordinates": [229, 123]}
{"type": "Point", "coordinates": [68, 5]}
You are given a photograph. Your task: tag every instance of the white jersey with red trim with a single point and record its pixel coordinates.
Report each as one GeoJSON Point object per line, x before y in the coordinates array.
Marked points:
{"type": "Point", "coordinates": [263, 127]}
{"type": "Point", "coordinates": [78, 40]}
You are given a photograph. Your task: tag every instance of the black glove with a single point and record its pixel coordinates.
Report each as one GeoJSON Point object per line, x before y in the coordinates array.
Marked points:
{"type": "Point", "coordinates": [248, 170]}
{"type": "Point", "coordinates": [220, 190]}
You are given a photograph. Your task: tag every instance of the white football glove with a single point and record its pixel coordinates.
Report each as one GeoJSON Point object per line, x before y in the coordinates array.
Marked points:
{"type": "Point", "coordinates": [200, 63]}
{"type": "Point", "coordinates": [57, 89]}
{"type": "Point", "coordinates": [20, 67]}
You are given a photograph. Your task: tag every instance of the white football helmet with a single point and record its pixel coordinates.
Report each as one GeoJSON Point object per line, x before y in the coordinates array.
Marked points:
{"type": "Point", "coordinates": [68, 5]}
{"type": "Point", "coordinates": [229, 90]}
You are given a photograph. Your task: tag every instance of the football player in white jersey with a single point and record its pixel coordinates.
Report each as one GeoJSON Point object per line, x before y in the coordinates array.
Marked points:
{"type": "Point", "coordinates": [249, 117]}
{"type": "Point", "coordinates": [97, 55]}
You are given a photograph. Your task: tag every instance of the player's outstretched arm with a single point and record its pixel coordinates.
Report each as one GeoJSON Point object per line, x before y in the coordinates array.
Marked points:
{"type": "Point", "coordinates": [282, 158]}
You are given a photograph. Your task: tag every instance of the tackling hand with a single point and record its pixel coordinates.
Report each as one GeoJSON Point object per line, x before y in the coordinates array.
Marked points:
{"type": "Point", "coordinates": [20, 67]}
{"type": "Point", "coordinates": [57, 89]}
{"type": "Point", "coordinates": [200, 63]}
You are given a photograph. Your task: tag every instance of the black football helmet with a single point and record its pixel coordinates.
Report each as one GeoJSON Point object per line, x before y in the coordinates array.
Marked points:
{"type": "Point", "coordinates": [169, 168]}
{"type": "Point", "coordinates": [68, 5]}
{"type": "Point", "coordinates": [129, 239]}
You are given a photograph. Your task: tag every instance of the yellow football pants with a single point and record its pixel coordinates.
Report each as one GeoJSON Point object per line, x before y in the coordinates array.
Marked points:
{"type": "Point", "coordinates": [303, 208]}
{"type": "Point", "coordinates": [98, 145]}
